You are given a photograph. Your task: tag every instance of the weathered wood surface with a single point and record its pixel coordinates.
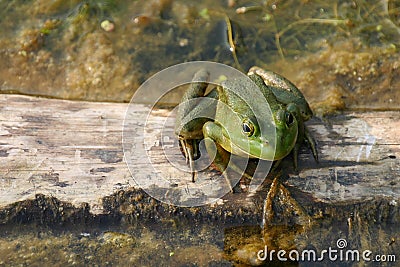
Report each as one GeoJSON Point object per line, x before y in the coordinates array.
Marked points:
{"type": "Point", "coordinates": [73, 151]}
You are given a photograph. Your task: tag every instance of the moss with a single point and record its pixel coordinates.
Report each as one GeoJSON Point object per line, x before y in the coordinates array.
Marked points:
{"type": "Point", "coordinates": [336, 43]}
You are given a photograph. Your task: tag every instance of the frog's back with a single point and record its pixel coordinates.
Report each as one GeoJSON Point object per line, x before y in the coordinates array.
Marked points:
{"type": "Point", "coordinates": [284, 90]}
{"type": "Point", "coordinates": [240, 94]}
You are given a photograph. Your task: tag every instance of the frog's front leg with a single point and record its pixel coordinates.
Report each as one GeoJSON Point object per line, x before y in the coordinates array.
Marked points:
{"type": "Point", "coordinates": [311, 141]}
{"type": "Point", "coordinates": [213, 136]}
{"type": "Point", "coordinates": [299, 143]}
{"type": "Point", "coordinates": [302, 135]}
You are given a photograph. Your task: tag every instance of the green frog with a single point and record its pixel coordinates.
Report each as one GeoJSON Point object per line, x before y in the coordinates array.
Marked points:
{"type": "Point", "coordinates": [248, 129]}
{"type": "Point", "coordinates": [236, 126]}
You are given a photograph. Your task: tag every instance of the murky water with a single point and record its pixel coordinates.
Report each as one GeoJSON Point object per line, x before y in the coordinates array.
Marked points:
{"type": "Point", "coordinates": [341, 54]}
{"type": "Point", "coordinates": [164, 244]}
{"type": "Point", "coordinates": [351, 235]}
{"type": "Point", "coordinates": [334, 52]}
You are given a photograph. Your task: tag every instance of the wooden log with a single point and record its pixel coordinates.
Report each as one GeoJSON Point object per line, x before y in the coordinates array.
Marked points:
{"type": "Point", "coordinates": [72, 151]}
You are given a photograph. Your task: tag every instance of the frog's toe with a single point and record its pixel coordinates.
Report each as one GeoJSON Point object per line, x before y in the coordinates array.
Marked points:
{"type": "Point", "coordinates": [192, 170]}
{"type": "Point", "coordinates": [313, 145]}
{"type": "Point", "coordinates": [190, 150]}
{"type": "Point", "coordinates": [295, 154]}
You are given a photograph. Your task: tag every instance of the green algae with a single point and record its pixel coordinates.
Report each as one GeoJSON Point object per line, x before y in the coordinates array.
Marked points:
{"type": "Point", "coordinates": [59, 49]}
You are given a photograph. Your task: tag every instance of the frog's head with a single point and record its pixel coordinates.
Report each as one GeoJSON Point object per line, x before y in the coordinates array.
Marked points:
{"type": "Point", "coordinates": [254, 123]}
{"type": "Point", "coordinates": [270, 138]}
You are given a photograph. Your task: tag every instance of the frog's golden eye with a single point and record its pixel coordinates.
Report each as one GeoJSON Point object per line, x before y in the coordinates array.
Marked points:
{"type": "Point", "coordinates": [247, 128]}
{"type": "Point", "coordinates": [289, 118]}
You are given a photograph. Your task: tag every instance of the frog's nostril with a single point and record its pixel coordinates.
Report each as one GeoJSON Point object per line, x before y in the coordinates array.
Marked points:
{"type": "Point", "coordinates": [264, 141]}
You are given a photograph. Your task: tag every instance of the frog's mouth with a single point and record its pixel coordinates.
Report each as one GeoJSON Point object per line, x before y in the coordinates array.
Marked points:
{"type": "Point", "coordinates": [259, 149]}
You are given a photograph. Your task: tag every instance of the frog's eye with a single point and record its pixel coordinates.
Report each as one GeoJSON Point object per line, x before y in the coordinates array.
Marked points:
{"type": "Point", "coordinates": [289, 118]}
{"type": "Point", "coordinates": [247, 128]}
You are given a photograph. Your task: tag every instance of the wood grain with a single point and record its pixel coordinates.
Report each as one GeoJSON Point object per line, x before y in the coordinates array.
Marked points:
{"type": "Point", "coordinates": [74, 151]}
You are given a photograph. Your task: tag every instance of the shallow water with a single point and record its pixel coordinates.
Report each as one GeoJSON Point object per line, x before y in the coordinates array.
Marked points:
{"type": "Point", "coordinates": [140, 245]}
{"type": "Point", "coordinates": [341, 54]}
{"type": "Point", "coordinates": [178, 242]}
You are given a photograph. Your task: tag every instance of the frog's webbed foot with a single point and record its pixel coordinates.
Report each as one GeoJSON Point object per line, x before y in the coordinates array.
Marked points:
{"type": "Point", "coordinates": [311, 141]}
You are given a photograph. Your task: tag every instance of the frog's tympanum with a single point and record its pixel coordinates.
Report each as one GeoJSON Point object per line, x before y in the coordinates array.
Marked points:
{"type": "Point", "coordinates": [234, 128]}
